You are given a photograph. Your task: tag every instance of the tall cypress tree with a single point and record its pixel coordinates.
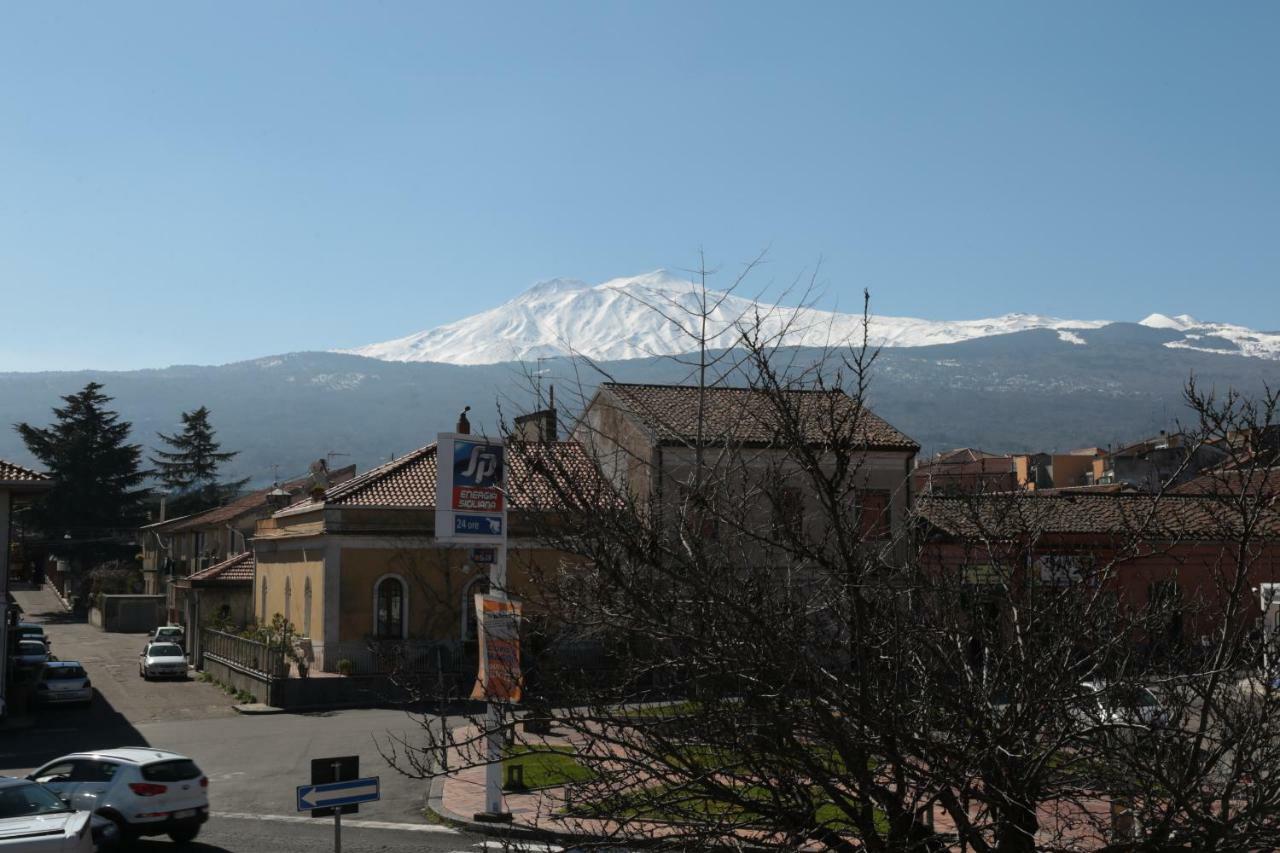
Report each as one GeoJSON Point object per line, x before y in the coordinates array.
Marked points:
{"type": "Point", "coordinates": [190, 467]}
{"type": "Point", "coordinates": [96, 497]}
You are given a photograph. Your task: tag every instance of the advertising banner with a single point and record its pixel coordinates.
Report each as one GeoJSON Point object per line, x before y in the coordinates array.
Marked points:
{"type": "Point", "coordinates": [498, 621]}
{"type": "Point", "coordinates": [470, 477]}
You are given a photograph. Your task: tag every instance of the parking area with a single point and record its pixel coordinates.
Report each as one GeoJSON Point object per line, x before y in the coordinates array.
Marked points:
{"type": "Point", "coordinates": [112, 663]}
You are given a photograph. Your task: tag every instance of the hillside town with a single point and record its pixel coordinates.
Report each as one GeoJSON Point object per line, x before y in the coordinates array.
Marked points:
{"type": "Point", "coordinates": [336, 589]}
{"type": "Point", "coordinates": [717, 427]}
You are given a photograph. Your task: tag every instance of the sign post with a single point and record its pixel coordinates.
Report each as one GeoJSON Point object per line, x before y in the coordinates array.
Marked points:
{"type": "Point", "coordinates": [471, 509]}
{"type": "Point", "coordinates": [336, 789]}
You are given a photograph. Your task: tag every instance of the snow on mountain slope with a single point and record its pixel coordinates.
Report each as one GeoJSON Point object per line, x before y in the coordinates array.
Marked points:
{"type": "Point", "coordinates": [1223, 338]}
{"type": "Point", "coordinates": [651, 314]}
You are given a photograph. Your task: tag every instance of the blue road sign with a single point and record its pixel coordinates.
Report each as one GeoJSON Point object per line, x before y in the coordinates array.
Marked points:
{"type": "Point", "coordinates": [338, 794]}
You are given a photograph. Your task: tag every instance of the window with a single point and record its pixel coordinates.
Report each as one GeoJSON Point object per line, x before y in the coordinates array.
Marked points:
{"type": "Point", "coordinates": [388, 599]}
{"type": "Point", "coordinates": [264, 601]}
{"type": "Point", "coordinates": [697, 512]}
{"type": "Point", "coordinates": [288, 599]}
{"type": "Point", "coordinates": [871, 513]}
{"type": "Point", "coordinates": [788, 510]}
{"type": "Point", "coordinates": [306, 608]}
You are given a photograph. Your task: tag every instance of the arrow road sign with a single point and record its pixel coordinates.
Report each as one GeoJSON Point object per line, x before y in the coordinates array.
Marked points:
{"type": "Point", "coordinates": [338, 794]}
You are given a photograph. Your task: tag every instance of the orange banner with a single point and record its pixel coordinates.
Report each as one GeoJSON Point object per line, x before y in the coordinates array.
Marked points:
{"type": "Point", "coordinates": [498, 678]}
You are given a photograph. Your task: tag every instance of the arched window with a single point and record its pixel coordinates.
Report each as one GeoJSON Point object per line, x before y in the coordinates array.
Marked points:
{"type": "Point", "coordinates": [288, 599]}
{"type": "Point", "coordinates": [470, 630]}
{"type": "Point", "coordinates": [389, 608]}
{"type": "Point", "coordinates": [264, 601]}
{"type": "Point", "coordinates": [306, 608]}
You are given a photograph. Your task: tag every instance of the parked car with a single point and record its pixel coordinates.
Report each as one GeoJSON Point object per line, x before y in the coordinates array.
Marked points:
{"type": "Point", "coordinates": [30, 654]}
{"type": "Point", "coordinates": [31, 631]}
{"type": "Point", "coordinates": [64, 682]}
{"type": "Point", "coordinates": [162, 660]}
{"type": "Point", "coordinates": [1121, 706]}
{"type": "Point", "coordinates": [142, 791]}
{"type": "Point", "coordinates": [170, 634]}
{"type": "Point", "coordinates": [33, 818]}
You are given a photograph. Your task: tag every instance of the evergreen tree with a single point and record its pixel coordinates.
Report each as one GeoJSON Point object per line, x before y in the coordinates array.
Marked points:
{"type": "Point", "coordinates": [96, 496]}
{"type": "Point", "coordinates": [190, 467]}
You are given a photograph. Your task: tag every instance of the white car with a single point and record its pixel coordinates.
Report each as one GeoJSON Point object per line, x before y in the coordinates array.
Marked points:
{"type": "Point", "coordinates": [1120, 706]}
{"type": "Point", "coordinates": [30, 654]}
{"type": "Point", "coordinates": [32, 818]}
{"type": "Point", "coordinates": [169, 634]}
{"type": "Point", "coordinates": [162, 660]}
{"type": "Point", "coordinates": [142, 791]}
{"type": "Point", "coordinates": [64, 682]}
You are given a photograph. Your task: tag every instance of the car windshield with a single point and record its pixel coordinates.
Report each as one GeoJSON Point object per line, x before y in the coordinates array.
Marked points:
{"type": "Point", "coordinates": [29, 799]}
{"type": "Point", "coordinates": [58, 672]}
{"type": "Point", "coordinates": [31, 647]}
{"type": "Point", "coordinates": [164, 650]}
{"type": "Point", "coordinates": [168, 632]}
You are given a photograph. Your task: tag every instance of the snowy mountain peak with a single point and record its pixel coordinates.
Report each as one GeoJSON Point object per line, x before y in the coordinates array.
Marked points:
{"type": "Point", "coordinates": [652, 314]}
{"type": "Point", "coordinates": [1180, 323]}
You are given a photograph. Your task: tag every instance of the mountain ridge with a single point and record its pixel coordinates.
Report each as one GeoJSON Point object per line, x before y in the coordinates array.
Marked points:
{"type": "Point", "coordinates": [650, 315]}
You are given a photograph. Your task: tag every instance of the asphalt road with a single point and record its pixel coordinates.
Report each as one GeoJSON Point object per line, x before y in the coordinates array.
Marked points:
{"type": "Point", "coordinates": [254, 763]}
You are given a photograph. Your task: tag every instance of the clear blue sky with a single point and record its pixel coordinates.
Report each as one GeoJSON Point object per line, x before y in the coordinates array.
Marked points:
{"type": "Point", "coordinates": [207, 182]}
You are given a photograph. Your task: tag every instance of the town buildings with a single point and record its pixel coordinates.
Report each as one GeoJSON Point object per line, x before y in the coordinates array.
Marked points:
{"type": "Point", "coordinates": [17, 485]}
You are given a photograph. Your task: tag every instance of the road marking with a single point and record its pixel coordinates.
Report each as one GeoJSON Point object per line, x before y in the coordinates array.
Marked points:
{"type": "Point", "coordinates": [357, 823]}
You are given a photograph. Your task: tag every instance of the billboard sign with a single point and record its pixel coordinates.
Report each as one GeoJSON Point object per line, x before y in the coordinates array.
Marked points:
{"type": "Point", "coordinates": [471, 504]}
{"type": "Point", "coordinates": [498, 621]}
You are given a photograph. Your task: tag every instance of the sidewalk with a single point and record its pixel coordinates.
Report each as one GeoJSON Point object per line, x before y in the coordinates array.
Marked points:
{"type": "Point", "coordinates": [459, 795]}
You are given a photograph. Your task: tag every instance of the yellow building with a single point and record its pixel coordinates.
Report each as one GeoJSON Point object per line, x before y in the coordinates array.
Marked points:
{"type": "Point", "coordinates": [361, 573]}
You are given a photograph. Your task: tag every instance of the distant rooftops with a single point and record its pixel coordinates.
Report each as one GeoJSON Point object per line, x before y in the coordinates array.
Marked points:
{"type": "Point", "coordinates": [748, 416]}
{"type": "Point", "coordinates": [540, 476]}
{"type": "Point", "coordinates": [235, 569]}
{"type": "Point", "coordinates": [13, 473]}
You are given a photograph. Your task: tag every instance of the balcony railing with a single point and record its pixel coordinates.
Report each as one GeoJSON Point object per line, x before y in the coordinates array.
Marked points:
{"type": "Point", "coordinates": [259, 658]}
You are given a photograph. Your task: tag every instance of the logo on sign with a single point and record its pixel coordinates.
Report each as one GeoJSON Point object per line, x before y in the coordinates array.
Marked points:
{"type": "Point", "coordinates": [477, 500]}
{"type": "Point", "coordinates": [477, 465]}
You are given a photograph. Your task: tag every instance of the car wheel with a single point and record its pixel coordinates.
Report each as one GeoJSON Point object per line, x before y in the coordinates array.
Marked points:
{"type": "Point", "coordinates": [123, 833]}
{"type": "Point", "coordinates": [185, 835]}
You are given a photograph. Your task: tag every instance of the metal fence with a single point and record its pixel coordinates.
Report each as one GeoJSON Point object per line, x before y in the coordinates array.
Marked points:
{"type": "Point", "coordinates": [256, 657]}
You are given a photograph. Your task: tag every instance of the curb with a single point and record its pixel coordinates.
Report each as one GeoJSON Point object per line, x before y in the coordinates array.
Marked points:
{"type": "Point", "coordinates": [435, 805]}
{"type": "Point", "coordinates": [257, 709]}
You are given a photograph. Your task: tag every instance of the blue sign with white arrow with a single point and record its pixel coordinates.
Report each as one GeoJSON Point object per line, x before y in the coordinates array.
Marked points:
{"type": "Point", "coordinates": [333, 794]}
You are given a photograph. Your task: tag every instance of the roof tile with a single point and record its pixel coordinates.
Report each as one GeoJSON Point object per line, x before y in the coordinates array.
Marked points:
{"type": "Point", "coordinates": [748, 416]}
{"type": "Point", "coordinates": [238, 568]}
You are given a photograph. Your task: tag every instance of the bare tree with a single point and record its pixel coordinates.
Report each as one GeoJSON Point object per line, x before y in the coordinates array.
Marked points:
{"type": "Point", "coordinates": [740, 650]}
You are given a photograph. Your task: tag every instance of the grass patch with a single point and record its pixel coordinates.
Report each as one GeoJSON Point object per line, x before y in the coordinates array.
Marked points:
{"type": "Point", "coordinates": [546, 766]}
{"type": "Point", "coordinates": [661, 804]}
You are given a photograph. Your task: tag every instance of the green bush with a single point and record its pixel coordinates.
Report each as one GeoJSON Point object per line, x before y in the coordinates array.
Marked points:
{"type": "Point", "coordinates": [345, 667]}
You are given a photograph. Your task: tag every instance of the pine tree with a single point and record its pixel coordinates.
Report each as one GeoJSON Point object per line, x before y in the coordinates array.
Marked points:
{"type": "Point", "coordinates": [190, 468]}
{"type": "Point", "coordinates": [96, 497]}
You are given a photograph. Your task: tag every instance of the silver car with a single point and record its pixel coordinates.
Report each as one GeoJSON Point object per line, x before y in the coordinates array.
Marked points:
{"type": "Point", "coordinates": [30, 654]}
{"type": "Point", "coordinates": [143, 791]}
{"type": "Point", "coordinates": [64, 682]}
{"type": "Point", "coordinates": [162, 660]}
{"type": "Point", "coordinates": [33, 818]}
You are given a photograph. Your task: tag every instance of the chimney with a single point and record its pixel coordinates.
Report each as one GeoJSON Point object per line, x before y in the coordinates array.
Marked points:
{"type": "Point", "coordinates": [537, 426]}
{"type": "Point", "coordinates": [464, 425]}
{"type": "Point", "coordinates": [278, 499]}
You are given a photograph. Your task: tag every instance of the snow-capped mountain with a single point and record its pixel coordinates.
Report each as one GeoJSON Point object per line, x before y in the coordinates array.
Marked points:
{"type": "Point", "coordinates": [653, 314]}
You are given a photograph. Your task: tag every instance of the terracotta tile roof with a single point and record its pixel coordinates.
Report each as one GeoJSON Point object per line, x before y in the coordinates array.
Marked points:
{"type": "Point", "coordinates": [1260, 482]}
{"type": "Point", "coordinates": [11, 473]}
{"type": "Point", "coordinates": [1028, 514]}
{"type": "Point", "coordinates": [251, 502]}
{"type": "Point", "coordinates": [746, 416]}
{"type": "Point", "coordinates": [231, 570]}
{"type": "Point", "coordinates": [541, 476]}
